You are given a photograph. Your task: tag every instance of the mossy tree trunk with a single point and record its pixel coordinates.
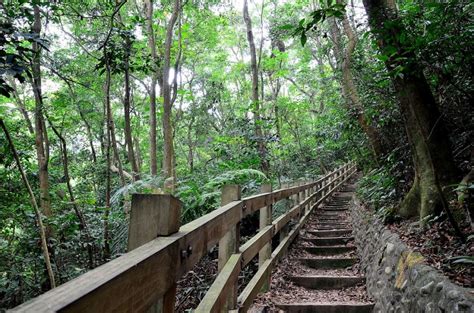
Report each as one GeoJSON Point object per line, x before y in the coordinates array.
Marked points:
{"type": "Point", "coordinates": [427, 135]}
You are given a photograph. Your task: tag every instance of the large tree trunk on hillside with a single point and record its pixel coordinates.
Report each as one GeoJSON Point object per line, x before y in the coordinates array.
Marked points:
{"type": "Point", "coordinates": [432, 157]}
{"type": "Point", "coordinates": [262, 150]}
{"type": "Point", "coordinates": [168, 153]}
{"type": "Point", "coordinates": [349, 89]}
{"type": "Point", "coordinates": [154, 74]}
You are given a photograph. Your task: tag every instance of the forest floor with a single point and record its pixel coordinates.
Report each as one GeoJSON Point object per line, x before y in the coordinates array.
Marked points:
{"type": "Point", "coordinates": [438, 244]}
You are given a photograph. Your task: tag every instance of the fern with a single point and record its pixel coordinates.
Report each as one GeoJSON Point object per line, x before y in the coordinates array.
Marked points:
{"type": "Point", "coordinates": [235, 177]}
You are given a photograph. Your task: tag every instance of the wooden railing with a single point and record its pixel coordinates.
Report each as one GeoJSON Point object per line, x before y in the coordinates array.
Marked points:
{"type": "Point", "coordinates": [145, 278]}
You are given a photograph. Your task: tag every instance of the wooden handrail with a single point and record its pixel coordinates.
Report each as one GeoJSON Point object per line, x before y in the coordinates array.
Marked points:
{"type": "Point", "coordinates": [212, 300]}
{"type": "Point", "coordinates": [134, 281]}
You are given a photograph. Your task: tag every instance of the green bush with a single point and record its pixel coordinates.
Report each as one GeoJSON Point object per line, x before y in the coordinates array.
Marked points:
{"type": "Point", "coordinates": [378, 190]}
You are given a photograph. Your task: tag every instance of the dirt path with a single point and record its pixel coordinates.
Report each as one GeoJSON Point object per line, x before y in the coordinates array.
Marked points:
{"type": "Point", "coordinates": [321, 271]}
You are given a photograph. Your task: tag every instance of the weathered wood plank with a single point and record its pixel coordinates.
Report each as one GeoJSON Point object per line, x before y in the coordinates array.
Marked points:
{"type": "Point", "coordinates": [253, 287]}
{"type": "Point", "coordinates": [250, 249]}
{"type": "Point", "coordinates": [216, 297]}
{"type": "Point", "coordinates": [254, 203]}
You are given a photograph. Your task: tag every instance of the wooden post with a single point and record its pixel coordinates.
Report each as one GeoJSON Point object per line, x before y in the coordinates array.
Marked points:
{"type": "Point", "coordinates": [298, 194]}
{"type": "Point", "coordinates": [292, 198]}
{"type": "Point", "coordinates": [266, 251]}
{"type": "Point", "coordinates": [229, 244]}
{"type": "Point", "coordinates": [323, 185]}
{"type": "Point", "coordinates": [307, 193]}
{"type": "Point", "coordinates": [154, 215]}
{"type": "Point", "coordinates": [300, 199]}
{"type": "Point", "coordinates": [284, 230]}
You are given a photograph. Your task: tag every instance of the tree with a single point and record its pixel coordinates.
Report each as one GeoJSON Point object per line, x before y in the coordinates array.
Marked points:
{"type": "Point", "coordinates": [168, 149]}
{"type": "Point", "coordinates": [41, 228]}
{"type": "Point", "coordinates": [426, 132]}
{"type": "Point", "coordinates": [41, 135]}
{"type": "Point", "coordinates": [154, 77]}
{"type": "Point", "coordinates": [349, 88]}
{"type": "Point", "coordinates": [262, 150]}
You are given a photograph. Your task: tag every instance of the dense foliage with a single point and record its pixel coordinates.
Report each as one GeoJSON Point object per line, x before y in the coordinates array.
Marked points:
{"type": "Point", "coordinates": [81, 81]}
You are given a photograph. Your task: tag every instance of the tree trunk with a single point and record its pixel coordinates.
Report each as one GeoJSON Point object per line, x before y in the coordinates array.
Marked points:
{"type": "Point", "coordinates": [276, 85]}
{"type": "Point", "coordinates": [433, 161]}
{"type": "Point", "coordinates": [89, 134]}
{"type": "Point", "coordinates": [39, 220]}
{"type": "Point", "coordinates": [168, 153]}
{"type": "Point", "coordinates": [108, 118]}
{"type": "Point", "coordinates": [154, 58]}
{"type": "Point", "coordinates": [110, 123]}
{"type": "Point", "coordinates": [41, 136]}
{"type": "Point", "coordinates": [190, 145]}
{"type": "Point", "coordinates": [262, 150]}
{"type": "Point", "coordinates": [82, 222]}
{"type": "Point", "coordinates": [126, 109]}
{"type": "Point", "coordinates": [138, 154]}
{"type": "Point", "coordinates": [127, 46]}
{"type": "Point", "coordinates": [349, 89]}
{"type": "Point", "coordinates": [21, 107]}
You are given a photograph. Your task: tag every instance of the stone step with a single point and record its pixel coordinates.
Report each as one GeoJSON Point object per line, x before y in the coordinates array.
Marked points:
{"type": "Point", "coordinates": [329, 250]}
{"type": "Point", "coordinates": [329, 227]}
{"type": "Point", "coordinates": [328, 215]}
{"type": "Point", "coordinates": [332, 220]}
{"type": "Point", "coordinates": [335, 216]}
{"type": "Point", "coordinates": [327, 282]}
{"type": "Point", "coordinates": [331, 217]}
{"type": "Point", "coordinates": [331, 233]}
{"type": "Point", "coordinates": [335, 209]}
{"type": "Point", "coordinates": [329, 307]}
{"type": "Point", "coordinates": [329, 241]}
{"type": "Point", "coordinates": [328, 263]}
{"type": "Point", "coordinates": [334, 223]}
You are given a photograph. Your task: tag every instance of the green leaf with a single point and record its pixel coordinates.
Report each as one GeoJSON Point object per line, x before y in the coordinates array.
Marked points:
{"type": "Point", "coordinates": [303, 38]}
{"type": "Point", "coordinates": [286, 27]}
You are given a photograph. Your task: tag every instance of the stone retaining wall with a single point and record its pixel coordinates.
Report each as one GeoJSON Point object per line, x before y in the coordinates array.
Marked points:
{"type": "Point", "coordinates": [397, 279]}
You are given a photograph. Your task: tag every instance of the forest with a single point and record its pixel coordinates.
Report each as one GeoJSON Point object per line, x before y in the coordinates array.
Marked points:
{"type": "Point", "coordinates": [103, 99]}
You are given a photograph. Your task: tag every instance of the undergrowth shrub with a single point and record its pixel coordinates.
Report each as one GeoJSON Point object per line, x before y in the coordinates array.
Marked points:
{"type": "Point", "coordinates": [377, 189]}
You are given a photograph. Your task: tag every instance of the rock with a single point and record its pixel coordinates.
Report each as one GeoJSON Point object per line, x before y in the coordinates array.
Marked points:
{"type": "Point", "coordinates": [427, 289]}
{"type": "Point", "coordinates": [453, 294]}
{"type": "Point", "coordinates": [388, 270]}
{"type": "Point", "coordinates": [439, 286]}
{"type": "Point", "coordinates": [464, 306]}
{"type": "Point", "coordinates": [390, 247]}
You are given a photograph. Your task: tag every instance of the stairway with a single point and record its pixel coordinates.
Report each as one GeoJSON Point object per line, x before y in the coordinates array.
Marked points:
{"type": "Point", "coordinates": [321, 271]}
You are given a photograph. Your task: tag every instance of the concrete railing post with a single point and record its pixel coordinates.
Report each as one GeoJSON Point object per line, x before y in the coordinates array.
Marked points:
{"type": "Point", "coordinates": [151, 216]}
{"type": "Point", "coordinates": [230, 243]}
